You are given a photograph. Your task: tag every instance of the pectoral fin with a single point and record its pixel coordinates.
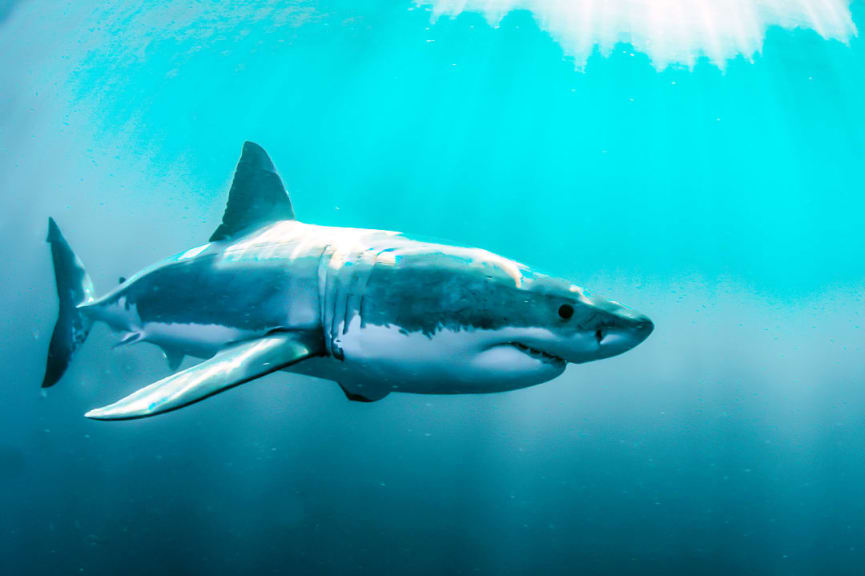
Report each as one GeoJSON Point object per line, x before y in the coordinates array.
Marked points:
{"type": "Point", "coordinates": [230, 367]}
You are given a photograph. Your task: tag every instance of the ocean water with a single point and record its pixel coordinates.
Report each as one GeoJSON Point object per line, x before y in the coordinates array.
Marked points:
{"type": "Point", "coordinates": [703, 162]}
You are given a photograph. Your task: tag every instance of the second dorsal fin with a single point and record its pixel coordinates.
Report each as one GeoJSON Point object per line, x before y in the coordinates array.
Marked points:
{"type": "Point", "coordinates": [257, 196]}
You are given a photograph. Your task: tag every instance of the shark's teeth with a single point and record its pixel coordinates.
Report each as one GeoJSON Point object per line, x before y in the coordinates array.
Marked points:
{"type": "Point", "coordinates": [535, 353]}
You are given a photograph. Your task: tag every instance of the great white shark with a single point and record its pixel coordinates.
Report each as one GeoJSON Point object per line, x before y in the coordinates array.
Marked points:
{"type": "Point", "coordinates": [372, 310]}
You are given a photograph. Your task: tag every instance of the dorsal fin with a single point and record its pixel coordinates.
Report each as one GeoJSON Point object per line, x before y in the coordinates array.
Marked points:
{"type": "Point", "coordinates": [257, 196]}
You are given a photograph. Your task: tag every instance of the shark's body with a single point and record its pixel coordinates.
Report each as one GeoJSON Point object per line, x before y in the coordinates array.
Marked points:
{"type": "Point", "coordinates": [372, 310]}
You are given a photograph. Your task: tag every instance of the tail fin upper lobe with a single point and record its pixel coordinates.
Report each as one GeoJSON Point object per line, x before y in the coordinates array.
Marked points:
{"type": "Point", "coordinates": [73, 289]}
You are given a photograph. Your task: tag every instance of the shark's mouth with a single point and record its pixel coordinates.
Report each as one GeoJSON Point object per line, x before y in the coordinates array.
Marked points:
{"type": "Point", "coordinates": [538, 354]}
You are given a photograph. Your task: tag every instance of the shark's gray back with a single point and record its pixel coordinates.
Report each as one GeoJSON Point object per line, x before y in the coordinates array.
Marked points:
{"type": "Point", "coordinates": [286, 276]}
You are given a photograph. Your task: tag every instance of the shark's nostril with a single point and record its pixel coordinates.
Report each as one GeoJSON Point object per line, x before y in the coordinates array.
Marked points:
{"type": "Point", "coordinates": [599, 335]}
{"type": "Point", "coordinates": [646, 326]}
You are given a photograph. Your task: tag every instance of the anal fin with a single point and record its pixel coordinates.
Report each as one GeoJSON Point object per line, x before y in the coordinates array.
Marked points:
{"type": "Point", "coordinates": [230, 367]}
{"type": "Point", "coordinates": [128, 339]}
{"type": "Point", "coordinates": [362, 394]}
{"type": "Point", "coordinates": [173, 356]}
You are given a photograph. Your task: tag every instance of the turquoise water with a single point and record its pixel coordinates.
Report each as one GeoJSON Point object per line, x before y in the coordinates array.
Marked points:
{"type": "Point", "coordinates": [725, 200]}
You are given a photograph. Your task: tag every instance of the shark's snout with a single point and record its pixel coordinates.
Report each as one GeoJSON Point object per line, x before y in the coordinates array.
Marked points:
{"type": "Point", "coordinates": [643, 328]}
{"type": "Point", "coordinates": [626, 330]}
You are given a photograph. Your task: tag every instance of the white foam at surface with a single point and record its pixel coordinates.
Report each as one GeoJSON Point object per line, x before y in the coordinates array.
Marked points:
{"type": "Point", "coordinates": [670, 32]}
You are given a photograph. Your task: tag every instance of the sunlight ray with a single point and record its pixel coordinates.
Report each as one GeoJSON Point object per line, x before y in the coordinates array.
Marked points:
{"type": "Point", "coordinates": [670, 32]}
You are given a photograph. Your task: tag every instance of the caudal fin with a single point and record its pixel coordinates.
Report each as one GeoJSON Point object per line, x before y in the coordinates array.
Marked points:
{"type": "Point", "coordinates": [73, 289]}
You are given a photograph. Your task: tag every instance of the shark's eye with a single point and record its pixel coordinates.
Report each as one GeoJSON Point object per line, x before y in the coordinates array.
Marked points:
{"type": "Point", "coordinates": [566, 311]}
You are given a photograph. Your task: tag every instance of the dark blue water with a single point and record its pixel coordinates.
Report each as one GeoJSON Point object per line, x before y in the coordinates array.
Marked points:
{"type": "Point", "coordinates": [724, 199]}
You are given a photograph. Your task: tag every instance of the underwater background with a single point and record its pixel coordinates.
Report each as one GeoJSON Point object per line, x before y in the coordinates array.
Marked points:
{"type": "Point", "coordinates": [713, 178]}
